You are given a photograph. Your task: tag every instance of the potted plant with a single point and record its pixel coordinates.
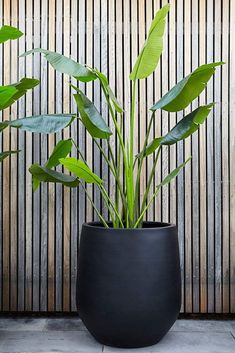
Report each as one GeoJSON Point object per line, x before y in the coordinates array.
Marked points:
{"type": "Point", "coordinates": [11, 93]}
{"type": "Point", "coordinates": [129, 286]}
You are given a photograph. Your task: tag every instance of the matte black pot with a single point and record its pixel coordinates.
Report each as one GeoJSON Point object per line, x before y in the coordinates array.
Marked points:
{"type": "Point", "coordinates": [129, 286]}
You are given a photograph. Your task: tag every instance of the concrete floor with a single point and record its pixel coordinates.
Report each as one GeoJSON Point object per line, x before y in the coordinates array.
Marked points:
{"type": "Point", "coordinates": [69, 335]}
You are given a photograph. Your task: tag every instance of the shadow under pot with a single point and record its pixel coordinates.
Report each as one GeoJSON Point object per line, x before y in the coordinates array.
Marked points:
{"type": "Point", "coordinates": [129, 285]}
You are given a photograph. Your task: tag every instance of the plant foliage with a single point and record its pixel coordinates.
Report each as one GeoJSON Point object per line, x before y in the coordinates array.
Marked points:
{"type": "Point", "coordinates": [11, 93]}
{"type": "Point", "coordinates": [128, 208]}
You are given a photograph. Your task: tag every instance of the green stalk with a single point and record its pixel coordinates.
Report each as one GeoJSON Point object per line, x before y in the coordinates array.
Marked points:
{"type": "Point", "coordinates": [114, 171]}
{"type": "Point", "coordinates": [141, 159]}
{"type": "Point", "coordinates": [118, 130]}
{"type": "Point", "coordinates": [104, 192]}
{"type": "Point", "coordinates": [130, 174]}
{"type": "Point", "coordinates": [79, 152]}
{"type": "Point", "coordinates": [117, 192]}
{"type": "Point", "coordinates": [94, 206]}
{"type": "Point", "coordinates": [139, 220]}
{"type": "Point", "coordinates": [150, 180]}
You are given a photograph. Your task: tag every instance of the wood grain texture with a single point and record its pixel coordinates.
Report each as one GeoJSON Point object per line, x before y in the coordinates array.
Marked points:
{"type": "Point", "coordinates": [39, 232]}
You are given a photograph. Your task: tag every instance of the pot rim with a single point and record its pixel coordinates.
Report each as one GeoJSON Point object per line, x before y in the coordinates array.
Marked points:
{"type": "Point", "coordinates": [98, 225]}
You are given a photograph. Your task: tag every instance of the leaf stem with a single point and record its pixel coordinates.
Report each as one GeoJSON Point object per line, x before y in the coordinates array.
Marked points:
{"type": "Point", "coordinates": [130, 174]}
{"type": "Point", "coordinates": [150, 179]}
{"type": "Point", "coordinates": [145, 208]}
{"type": "Point", "coordinates": [141, 159]}
{"type": "Point", "coordinates": [94, 206]}
{"type": "Point", "coordinates": [104, 192]}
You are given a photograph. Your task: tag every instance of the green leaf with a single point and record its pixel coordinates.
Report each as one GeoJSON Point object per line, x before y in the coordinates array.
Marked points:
{"type": "Point", "coordinates": [6, 93]}
{"type": "Point", "coordinates": [5, 154]}
{"type": "Point", "coordinates": [36, 183]}
{"type": "Point", "coordinates": [80, 169]}
{"type": "Point", "coordinates": [9, 33]}
{"type": "Point", "coordinates": [20, 89]}
{"type": "Point", "coordinates": [3, 125]}
{"type": "Point", "coordinates": [152, 146]}
{"type": "Point", "coordinates": [61, 150]}
{"type": "Point", "coordinates": [184, 128]}
{"type": "Point", "coordinates": [105, 83]}
{"type": "Point", "coordinates": [91, 118]}
{"type": "Point", "coordinates": [181, 95]}
{"type": "Point", "coordinates": [51, 176]}
{"type": "Point", "coordinates": [150, 54]}
{"type": "Point", "coordinates": [173, 174]}
{"type": "Point", "coordinates": [46, 124]}
{"type": "Point", "coordinates": [65, 65]}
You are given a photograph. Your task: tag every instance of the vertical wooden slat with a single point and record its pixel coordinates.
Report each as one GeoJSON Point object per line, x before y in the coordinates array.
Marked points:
{"type": "Point", "coordinates": [150, 102]}
{"type": "Point", "coordinates": [96, 30]}
{"type": "Point", "coordinates": [51, 187]}
{"type": "Point", "coordinates": [218, 167]}
{"type": "Point", "coordinates": [43, 149]}
{"type": "Point", "coordinates": [158, 128]}
{"type": "Point", "coordinates": [195, 172]}
{"type": "Point", "coordinates": [232, 155]}
{"type": "Point", "coordinates": [165, 127]}
{"type": "Point", "coordinates": [74, 191]}
{"type": "Point", "coordinates": [210, 166]}
{"type": "Point", "coordinates": [225, 158]}
{"type": "Point", "coordinates": [1, 181]}
{"type": "Point", "coordinates": [142, 97]}
{"type": "Point", "coordinates": [180, 151]}
{"type": "Point", "coordinates": [81, 132]}
{"type": "Point", "coordinates": [172, 79]}
{"type": "Point", "coordinates": [59, 201]}
{"type": "Point", "coordinates": [126, 68]}
{"type": "Point", "coordinates": [36, 159]}
{"type": "Point", "coordinates": [104, 107]}
{"type": "Point", "coordinates": [89, 47]}
{"type": "Point", "coordinates": [28, 158]}
{"type": "Point", "coordinates": [202, 175]}
{"type": "Point", "coordinates": [188, 168]}
{"type": "Point", "coordinates": [13, 186]}
{"type": "Point", "coordinates": [66, 200]}
{"type": "Point", "coordinates": [112, 75]}
{"type": "Point", "coordinates": [6, 178]}
{"type": "Point", "coordinates": [119, 63]}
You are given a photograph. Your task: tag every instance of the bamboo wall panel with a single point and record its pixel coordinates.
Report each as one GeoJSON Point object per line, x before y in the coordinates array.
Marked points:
{"type": "Point", "coordinates": [39, 231]}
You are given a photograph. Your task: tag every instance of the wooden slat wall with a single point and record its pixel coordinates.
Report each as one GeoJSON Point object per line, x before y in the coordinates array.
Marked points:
{"type": "Point", "coordinates": [38, 232]}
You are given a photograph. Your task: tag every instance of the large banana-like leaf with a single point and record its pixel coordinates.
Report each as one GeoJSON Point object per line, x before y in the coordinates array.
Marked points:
{"type": "Point", "coordinates": [152, 49]}
{"type": "Point", "coordinates": [61, 150]}
{"type": "Point", "coordinates": [181, 95]}
{"type": "Point", "coordinates": [20, 89]}
{"type": "Point", "coordinates": [9, 33]}
{"type": "Point", "coordinates": [46, 124]}
{"type": "Point", "coordinates": [65, 65]}
{"type": "Point", "coordinates": [91, 118]}
{"type": "Point", "coordinates": [6, 93]}
{"type": "Point", "coordinates": [51, 176]}
{"type": "Point", "coordinates": [105, 84]}
{"type": "Point", "coordinates": [80, 169]}
{"type": "Point", "coordinates": [184, 128]}
{"type": "Point", "coordinates": [5, 154]}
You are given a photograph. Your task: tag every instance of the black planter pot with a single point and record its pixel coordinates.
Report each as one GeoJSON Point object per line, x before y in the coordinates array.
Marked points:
{"type": "Point", "coordinates": [129, 286]}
